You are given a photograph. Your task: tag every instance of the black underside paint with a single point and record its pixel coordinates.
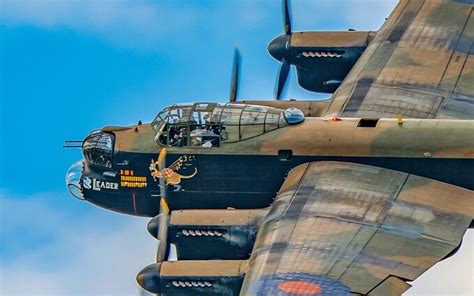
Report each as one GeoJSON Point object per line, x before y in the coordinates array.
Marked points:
{"type": "Point", "coordinates": [246, 181]}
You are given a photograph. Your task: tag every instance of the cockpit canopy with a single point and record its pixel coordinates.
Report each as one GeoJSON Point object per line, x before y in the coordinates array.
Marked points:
{"type": "Point", "coordinates": [209, 124]}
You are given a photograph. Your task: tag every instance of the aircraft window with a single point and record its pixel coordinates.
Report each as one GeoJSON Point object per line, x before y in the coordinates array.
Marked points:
{"type": "Point", "coordinates": [208, 124]}
{"type": "Point", "coordinates": [174, 115]}
{"type": "Point", "coordinates": [256, 108]}
{"type": "Point", "coordinates": [216, 115]}
{"type": "Point", "coordinates": [175, 135]}
{"type": "Point", "coordinates": [160, 120]}
{"type": "Point", "coordinates": [200, 118]}
{"type": "Point", "coordinates": [204, 106]}
{"type": "Point", "coordinates": [230, 120]}
{"type": "Point", "coordinates": [162, 135]}
{"type": "Point", "coordinates": [163, 115]}
{"type": "Point", "coordinates": [252, 122]}
{"type": "Point", "coordinates": [252, 117]}
{"type": "Point", "coordinates": [204, 138]}
{"type": "Point", "coordinates": [231, 115]}
{"type": "Point", "coordinates": [98, 149]}
{"type": "Point", "coordinates": [178, 136]}
{"type": "Point", "coordinates": [179, 114]}
{"type": "Point", "coordinates": [272, 121]}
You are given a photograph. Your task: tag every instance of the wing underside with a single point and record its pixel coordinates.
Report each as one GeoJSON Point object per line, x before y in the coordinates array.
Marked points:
{"type": "Point", "coordinates": [349, 228]}
{"type": "Point", "coordinates": [419, 65]}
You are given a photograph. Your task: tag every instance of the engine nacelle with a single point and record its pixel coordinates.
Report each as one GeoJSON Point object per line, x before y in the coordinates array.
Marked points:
{"type": "Point", "coordinates": [220, 277]}
{"type": "Point", "coordinates": [212, 234]}
{"type": "Point", "coordinates": [322, 59]}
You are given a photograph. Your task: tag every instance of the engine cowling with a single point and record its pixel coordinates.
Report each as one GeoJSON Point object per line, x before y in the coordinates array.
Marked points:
{"type": "Point", "coordinates": [218, 277]}
{"type": "Point", "coordinates": [212, 234]}
{"type": "Point", "coordinates": [322, 59]}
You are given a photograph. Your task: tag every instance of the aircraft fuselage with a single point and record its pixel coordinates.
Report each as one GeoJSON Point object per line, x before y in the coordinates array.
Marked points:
{"type": "Point", "coordinates": [248, 173]}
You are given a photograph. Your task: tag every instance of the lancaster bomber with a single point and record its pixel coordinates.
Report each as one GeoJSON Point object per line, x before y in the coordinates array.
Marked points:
{"type": "Point", "coordinates": [358, 194]}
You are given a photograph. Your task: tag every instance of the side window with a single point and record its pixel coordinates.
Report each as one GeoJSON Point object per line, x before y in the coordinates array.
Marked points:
{"type": "Point", "coordinates": [163, 136]}
{"type": "Point", "coordinates": [178, 135]}
{"type": "Point", "coordinates": [205, 138]}
{"type": "Point", "coordinates": [216, 115]}
{"type": "Point", "coordinates": [230, 124]}
{"type": "Point", "coordinates": [174, 135]}
{"type": "Point", "coordinates": [175, 130]}
{"type": "Point", "coordinates": [251, 123]}
{"type": "Point", "coordinates": [272, 121]}
{"type": "Point", "coordinates": [204, 127]}
{"type": "Point", "coordinates": [174, 116]}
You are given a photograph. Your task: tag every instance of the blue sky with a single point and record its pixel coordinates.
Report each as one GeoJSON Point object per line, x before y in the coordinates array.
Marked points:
{"type": "Point", "coordinates": [67, 67]}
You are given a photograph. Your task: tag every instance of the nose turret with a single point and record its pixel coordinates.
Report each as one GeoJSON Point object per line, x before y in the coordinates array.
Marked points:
{"type": "Point", "coordinates": [73, 179]}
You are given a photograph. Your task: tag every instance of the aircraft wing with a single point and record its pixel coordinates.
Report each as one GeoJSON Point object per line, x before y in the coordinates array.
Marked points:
{"type": "Point", "coordinates": [337, 228]}
{"type": "Point", "coordinates": [419, 65]}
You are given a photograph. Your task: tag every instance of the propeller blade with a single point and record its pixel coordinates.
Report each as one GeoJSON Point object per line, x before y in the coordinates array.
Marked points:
{"type": "Point", "coordinates": [162, 251]}
{"type": "Point", "coordinates": [163, 217]}
{"type": "Point", "coordinates": [279, 48]}
{"type": "Point", "coordinates": [162, 159]}
{"type": "Point", "coordinates": [286, 18]}
{"type": "Point", "coordinates": [282, 77]}
{"type": "Point", "coordinates": [234, 87]}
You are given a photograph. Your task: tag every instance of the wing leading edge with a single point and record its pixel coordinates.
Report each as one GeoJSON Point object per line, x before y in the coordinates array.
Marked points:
{"type": "Point", "coordinates": [348, 228]}
{"type": "Point", "coordinates": [419, 65]}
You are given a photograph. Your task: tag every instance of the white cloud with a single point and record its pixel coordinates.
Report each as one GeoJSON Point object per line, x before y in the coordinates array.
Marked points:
{"type": "Point", "coordinates": [453, 276]}
{"type": "Point", "coordinates": [130, 24]}
{"type": "Point", "coordinates": [70, 251]}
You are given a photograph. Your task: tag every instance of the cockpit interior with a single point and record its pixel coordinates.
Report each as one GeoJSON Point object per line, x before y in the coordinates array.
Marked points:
{"type": "Point", "coordinates": [211, 124]}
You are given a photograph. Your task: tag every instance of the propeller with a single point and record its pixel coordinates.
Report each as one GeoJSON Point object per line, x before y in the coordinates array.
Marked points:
{"type": "Point", "coordinates": [234, 86]}
{"type": "Point", "coordinates": [286, 18]}
{"type": "Point", "coordinates": [279, 49]}
{"type": "Point", "coordinates": [164, 215]}
{"type": "Point", "coordinates": [282, 77]}
{"type": "Point", "coordinates": [149, 277]}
